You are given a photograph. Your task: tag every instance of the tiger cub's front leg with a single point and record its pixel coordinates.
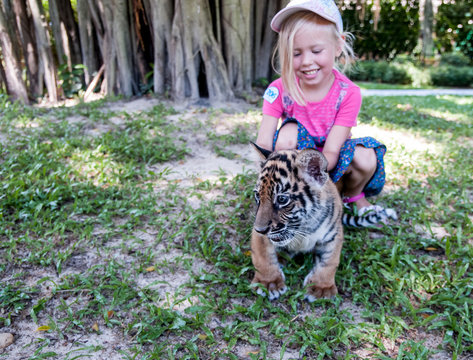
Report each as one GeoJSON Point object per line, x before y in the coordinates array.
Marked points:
{"type": "Point", "coordinates": [320, 281]}
{"type": "Point", "coordinates": [267, 270]}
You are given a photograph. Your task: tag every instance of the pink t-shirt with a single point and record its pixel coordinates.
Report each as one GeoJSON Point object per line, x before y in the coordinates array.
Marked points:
{"type": "Point", "coordinates": [339, 107]}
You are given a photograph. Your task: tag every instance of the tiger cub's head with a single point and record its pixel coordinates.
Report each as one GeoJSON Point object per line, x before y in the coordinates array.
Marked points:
{"type": "Point", "coordinates": [290, 193]}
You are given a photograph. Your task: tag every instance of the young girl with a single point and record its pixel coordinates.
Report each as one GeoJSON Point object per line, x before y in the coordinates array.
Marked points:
{"type": "Point", "coordinates": [317, 104]}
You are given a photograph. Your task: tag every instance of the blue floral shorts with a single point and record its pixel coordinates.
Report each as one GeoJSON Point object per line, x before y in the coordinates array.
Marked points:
{"type": "Point", "coordinates": [347, 151]}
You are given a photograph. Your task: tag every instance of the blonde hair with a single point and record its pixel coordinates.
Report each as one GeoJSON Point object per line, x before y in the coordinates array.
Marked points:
{"type": "Point", "coordinates": [285, 49]}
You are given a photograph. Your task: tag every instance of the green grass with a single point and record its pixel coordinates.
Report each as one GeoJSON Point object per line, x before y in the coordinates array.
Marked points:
{"type": "Point", "coordinates": [383, 86]}
{"type": "Point", "coordinates": [95, 237]}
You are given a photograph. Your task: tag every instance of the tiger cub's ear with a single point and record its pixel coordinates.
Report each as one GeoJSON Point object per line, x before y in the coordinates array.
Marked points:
{"type": "Point", "coordinates": [263, 153]}
{"type": "Point", "coordinates": [313, 165]}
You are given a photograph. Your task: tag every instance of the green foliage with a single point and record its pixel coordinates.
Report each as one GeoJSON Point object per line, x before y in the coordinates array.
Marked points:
{"type": "Point", "coordinates": [454, 27]}
{"type": "Point", "coordinates": [13, 299]}
{"type": "Point", "coordinates": [452, 76]}
{"type": "Point", "coordinates": [99, 237]}
{"type": "Point", "coordinates": [454, 59]}
{"type": "Point", "coordinates": [397, 29]}
{"type": "Point", "coordinates": [380, 71]}
{"type": "Point", "coordinates": [406, 71]}
{"type": "Point", "coordinates": [70, 80]}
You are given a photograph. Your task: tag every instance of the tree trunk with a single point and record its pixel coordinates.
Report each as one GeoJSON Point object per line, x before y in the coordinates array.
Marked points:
{"type": "Point", "coordinates": [122, 43]}
{"type": "Point", "coordinates": [376, 13]}
{"type": "Point", "coordinates": [59, 40]}
{"type": "Point", "coordinates": [88, 40]}
{"type": "Point", "coordinates": [13, 79]}
{"type": "Point", "coordinates": [161, 22]}
{"type": "Point", "coordinates": [111, 18]}
{"type": "Point", "coordinates": [197, 54]}
{"type": "Point", "coordinates": [3, 80]}
{"type": "Point", "coordinates": [25, 27]}
{"type": "Point", "coordinates": [44, 50]}
{"type": "Point", "coordinates": [141, 35]}
{"type": "Point", "coordinates": [65, 32]}
{"type": "Point", "coordinates": [237, 43]}
{"type": "Point", "coordinates": [199, 48]}
{"type": "Point", "coordinates": [183, 72]}
{"type": "Point", "coordinates": [427, 29]}
{"type": "Point", "coordinates": [264, 37]}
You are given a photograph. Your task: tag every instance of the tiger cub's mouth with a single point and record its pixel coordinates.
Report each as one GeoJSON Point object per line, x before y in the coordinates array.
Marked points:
{"type": "Point", "coordinates": [280, 238]}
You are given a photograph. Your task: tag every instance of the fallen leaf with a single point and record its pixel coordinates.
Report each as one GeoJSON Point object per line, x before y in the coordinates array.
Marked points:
{"type": "Point", "coordinates": [252, 353]}
{"type": "Point", "coordinates": [95, 327]}
{"type": "Point", "coordinates": [43, 328]}
{"type": "Point", "coordinates": [151, 268]}
{"type": "Point", "coordinates": [110, 313]}
{"type": "Point", "coordinates": [202, 336]}
{"type": "Point", "coordinates": [430, 248]}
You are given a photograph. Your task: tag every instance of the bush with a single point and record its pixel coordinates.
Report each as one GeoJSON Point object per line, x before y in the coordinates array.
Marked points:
{"type": "Point", "coordinates": [455, 59]}
{"type": "Point", "coordinates": [419, 74]}
{"type": "Point", "coordinates": [380, 71]}
{"type": "Point", "coordinates": [447, 75]}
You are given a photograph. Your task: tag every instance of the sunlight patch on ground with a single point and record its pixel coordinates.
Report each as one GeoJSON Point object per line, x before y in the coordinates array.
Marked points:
{"type": "Point", "coordinates": [404, 150]}
{"type": "Point", "coordinates": [445, 115]}
{"type": "Point", "coordinates": [226, 123]}
{"type": "Point", "coordinates": [204, 165]}
{"type": "Point", "coordinates": [29, 125]}
{"type": "Point", "coordinates": [465, 100]}
{"type": "Point", "coordinates": [400, 139]}
{"type": "Point", "coordinates": [96, 166]}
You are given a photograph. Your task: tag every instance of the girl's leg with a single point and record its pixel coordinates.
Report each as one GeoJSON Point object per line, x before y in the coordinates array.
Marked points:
{"type": "Point", "coordinates": [359, 173]}
{"type": "Point", "coordinates": [287, 138]}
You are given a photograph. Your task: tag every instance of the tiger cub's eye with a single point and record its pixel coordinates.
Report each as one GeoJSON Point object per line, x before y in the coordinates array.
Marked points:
{"type": "Point", "coordinates": [256, 194]}
{"type": "Point", "coordinates": [282, 200]}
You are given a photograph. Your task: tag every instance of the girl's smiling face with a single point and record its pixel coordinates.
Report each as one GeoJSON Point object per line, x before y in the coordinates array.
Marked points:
{"type": "Point", "coordinates": [314, 51]}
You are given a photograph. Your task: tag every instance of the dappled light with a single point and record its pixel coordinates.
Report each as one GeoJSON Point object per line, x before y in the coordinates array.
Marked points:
{"type": "Point", "coordinates": [96, 166]}
{"type": "Point", "coordinates": [134, 228]}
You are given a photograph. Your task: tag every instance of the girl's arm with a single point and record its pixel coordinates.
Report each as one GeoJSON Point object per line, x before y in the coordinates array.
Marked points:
{"type": "Point", "coordinates": [266, 132]}
{"type": "Point", "coordinates": [335, 139]}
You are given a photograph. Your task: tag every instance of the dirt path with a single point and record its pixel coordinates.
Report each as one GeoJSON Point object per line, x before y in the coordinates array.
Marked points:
{"type": "Point", "coordinates": [204, 164]}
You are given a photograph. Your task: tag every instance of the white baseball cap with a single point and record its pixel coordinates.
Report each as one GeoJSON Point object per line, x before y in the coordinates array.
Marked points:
{"type": "Point", "coordinates": [325, 8]}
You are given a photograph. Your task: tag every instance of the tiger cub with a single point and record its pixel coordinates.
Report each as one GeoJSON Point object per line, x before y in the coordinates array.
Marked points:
{"type": "Point", "coordinates": [299, 211]}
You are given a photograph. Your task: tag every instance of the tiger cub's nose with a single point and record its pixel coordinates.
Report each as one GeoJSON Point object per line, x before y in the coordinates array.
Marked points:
{"type": "Point", "coordinates": [263, 230]}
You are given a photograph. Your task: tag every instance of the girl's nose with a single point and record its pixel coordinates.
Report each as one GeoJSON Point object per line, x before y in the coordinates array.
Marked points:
{"type": "Point", "coordinates": [306, 58]}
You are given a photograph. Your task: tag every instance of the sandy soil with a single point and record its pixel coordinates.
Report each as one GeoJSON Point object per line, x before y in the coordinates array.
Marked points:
{"type": "Point", "coordinates": [204, 164]}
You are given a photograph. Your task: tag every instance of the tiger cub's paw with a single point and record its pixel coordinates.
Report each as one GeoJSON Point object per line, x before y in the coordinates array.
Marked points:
{"type": "Point", "coordinates": [314, 293]}
{"type": "Point", "coordinates": [273, 286]}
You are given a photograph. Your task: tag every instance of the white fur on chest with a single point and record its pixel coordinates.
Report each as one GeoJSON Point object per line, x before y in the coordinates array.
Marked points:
{"type": "Point", "coordinates": [306, 243]}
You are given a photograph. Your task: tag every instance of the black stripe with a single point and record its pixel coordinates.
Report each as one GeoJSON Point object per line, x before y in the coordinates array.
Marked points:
{"type": "Point", "coordinates": [301, 199]}
{"type": "Point", "coordinates": [282, 172]}
{"type": "Point", "coordinates": [308, 192]}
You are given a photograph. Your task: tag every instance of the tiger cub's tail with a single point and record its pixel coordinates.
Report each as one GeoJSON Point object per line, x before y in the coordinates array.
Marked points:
{"type": "Point", "coordinates": [369, 219]}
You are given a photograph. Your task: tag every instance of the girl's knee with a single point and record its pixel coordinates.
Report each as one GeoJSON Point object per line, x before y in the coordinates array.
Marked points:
{"type": "Point", "coordinates": [285, 144]}
{"type": "Point", "coordinates": [365, 159]}
{"type": "Point", "coordinates": [287, 138]}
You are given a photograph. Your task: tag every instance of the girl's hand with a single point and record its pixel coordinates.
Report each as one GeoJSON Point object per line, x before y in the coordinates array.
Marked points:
{"type": "Point", "coordinates": [335, 139]}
